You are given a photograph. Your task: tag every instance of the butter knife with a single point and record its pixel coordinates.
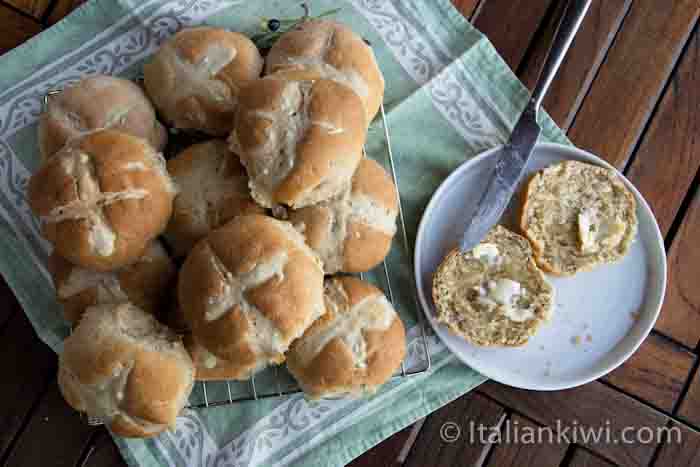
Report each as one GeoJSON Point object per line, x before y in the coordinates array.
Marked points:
{"type": "Point", "coordinates": [512, 158]}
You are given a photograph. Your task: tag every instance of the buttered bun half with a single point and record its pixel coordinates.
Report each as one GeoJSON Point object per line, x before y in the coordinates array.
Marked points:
{"type": "Point", "coordinates": [578, 216]}
{"type": "Point", "coordinates": [493, 294]}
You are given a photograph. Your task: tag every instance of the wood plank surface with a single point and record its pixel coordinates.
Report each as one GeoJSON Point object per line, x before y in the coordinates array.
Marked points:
{"type": "Point", "coordinates": [466, 7]}
{"type": "Point", "coordinates": [593, 406]}
{"type": "Point", "coordinates": [667, 159]}
{"type": "Point", "coordinates": [680, 315]}
{"type": "Point", "coordinates": [631, 78]}
{"type": "Point", "coordinates": [583, 458]}
{"type": "Point", "coordinates": [15, 28]}
{"type": "Point", "coordinates": [62, 8]}
{"type": "Point", "coordinates": [685, 453]}
{"type": "Point", "coordinates": [524, 453]}
{"type": "Point", "coordinates": [102, 452]}
{"type": "Point", "coordinates": [581, 63]}
{"type": "Point", "coordinates": [8, 303]}
{"type": "Point", "coordinates": [385, 453]}
{"type": "Point", "coordinates": [690, 406]}
{"type": "Point", "coordinates": [511, 25]}
{"type": "Point", "coordinates": [30, 375]}
{"type": "Point", "coordinates": [36, 8]}
{"type": "Point", "coordinates": [32, 364]}
{"type": "Point", "coordinates": [62, 434]}
{"type": "Point", "coordinates": [656, 372]}
{"type": "Point", "coordinates": [444, 440]}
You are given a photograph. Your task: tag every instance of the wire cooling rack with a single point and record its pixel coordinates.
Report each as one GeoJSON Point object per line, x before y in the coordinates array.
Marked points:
{"type": "Point", "coordinates": [276, 381]}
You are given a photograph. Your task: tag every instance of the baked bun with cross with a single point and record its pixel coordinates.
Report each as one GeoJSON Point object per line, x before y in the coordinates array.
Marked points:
{"type": "Point", "coordinates": [326, 49]}
{"type": "Point", "coordinates": [95, 103]}
{"type": "Point", "coordinates": [195, 77]}
{"type": "Point", "coordinates": [213, 189]}
{"type": "Point", "coordinates": [300, 141]}
{"type": "Point", "coordinates": [123, 367]}
{"type": "Point", "coordinates": [144, 283]}
{"type": "Point", "coordinates": [352, 232]}
{"type": "Point", "coordinates": [249, 289]}
{"type": "Point", "coordinates": [354, 348]}
{"type": "Point", "coordinates": [102, 199]}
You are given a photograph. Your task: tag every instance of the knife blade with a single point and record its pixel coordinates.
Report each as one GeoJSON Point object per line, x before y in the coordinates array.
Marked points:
{"type": "Point", "coordinates": [510, 166]}
{"type": "Point", "coordinates": [511, 160]}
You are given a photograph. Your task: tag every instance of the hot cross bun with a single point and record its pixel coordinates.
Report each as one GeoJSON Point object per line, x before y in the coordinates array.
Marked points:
{"type": "Point", "coordinates": [248, 290]}
{"type": "Point", "coordinates": [102, 199]}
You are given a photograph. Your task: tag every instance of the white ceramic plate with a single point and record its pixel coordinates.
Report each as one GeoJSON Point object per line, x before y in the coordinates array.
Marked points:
{"type": "Point", "coordinates": [600, 317]}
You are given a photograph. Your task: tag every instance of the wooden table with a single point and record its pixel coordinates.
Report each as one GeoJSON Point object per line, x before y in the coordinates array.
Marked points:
{"type": "Point", "coordinates": [628, 91]}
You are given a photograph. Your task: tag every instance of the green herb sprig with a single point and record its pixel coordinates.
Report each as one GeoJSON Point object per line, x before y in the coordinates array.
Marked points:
{"type": "Point", "coordinates": [273, 28]}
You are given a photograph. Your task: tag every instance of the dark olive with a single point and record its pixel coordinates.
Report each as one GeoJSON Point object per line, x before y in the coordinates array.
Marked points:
{"type": "Point", "coordinates": [273, 25]}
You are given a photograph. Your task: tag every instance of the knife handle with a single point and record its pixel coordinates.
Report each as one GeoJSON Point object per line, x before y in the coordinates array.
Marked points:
{"type": "Point", "coordinates": [568, 26]}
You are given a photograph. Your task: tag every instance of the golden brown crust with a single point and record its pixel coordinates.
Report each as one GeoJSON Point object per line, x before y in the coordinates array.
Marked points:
{"type": "Point", "coordinates": [326, 49]}
{"type": "Point", "coordinates": [299, 141]}
{"type": "Point", "coordinates": [384, 349]}
{"type": "Point", "coordinates": [213, 190]}
{"type": "Point", "coordinates": [152, 384]}
{"type": "Point", "coordinates": [328, 371]}
{"type": "Point", "coordinates": [74, 306]}
{"type": "Point", "coordinates": [98, 102]}
{"type": "Point", "coordinates": [334, 369]}
{"type": "Point", "coordinates": [259, 95]}
{"type": "Point", "coordinates": [372, 180]}
{"type": "Point", "coordinates": [364, 247]}
{"type": "Point", "coordinates": [356, 290]}
{"type": "Point", "coordinates": [283, 300]}
{"type": "Point", "coordinates": [353, 231]}
{"type": "Point", "coordinates": [328, 100]}
{"type": "Point", "coordinates": [144, 283]}
{"type": "Point", "coordinates": [207, 366]}
{"type": "Point", "coordinates": [140, 370]}
{"type": "Point", "coordinates": [314, 222]}
{"type": "Point", "coordinates": [148, 281]}
{"type": "Point", "coordinates": [262, 271]}
{"type": "Point", "coordinates": [195, 78]}
{"type": "Point", "coordinates": [102, 199]}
